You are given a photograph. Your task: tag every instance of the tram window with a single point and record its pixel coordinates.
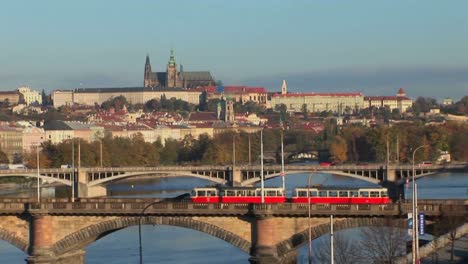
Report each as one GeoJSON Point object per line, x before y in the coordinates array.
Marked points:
{"type": "Point", "coordinates": [374, 194]}
{"type": "Point", "coordinates": [313, 193]}
{"type": "Point", "coordinates": [322, 193]}
{"type": "Point", "coordinates": [332, 193]}
{"type": "Point", "coordinates": [194, 193]}
{"type": "Point", "coordinates": [353, 193]}
{"type": "Point", "coordinates": [365, 194]}
{"type": "Point", "coordinates": [271, 193]}
{"type": "Point", "coordinates": [211, 193]}
{"type": "Point", "coordinates": [343, 194]}
{"type": "Point", "coordinates": [251, 193]}
{"type": "Point", "coordinates": [230, 193]}
{"type": "Point", "coordinates": [384, 194]}
{"type": "Point", "coordinates": [201, 193]}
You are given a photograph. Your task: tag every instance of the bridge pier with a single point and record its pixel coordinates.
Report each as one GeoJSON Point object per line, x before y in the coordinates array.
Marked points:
{"type": "Point", "coordinates": [41, 241]}
{"type": "Point", "coordinates": [85, 191]}
{"type": "Point", "coordinates": [264, 249]}
{"type": "Point", "coordinates": [236, 174]}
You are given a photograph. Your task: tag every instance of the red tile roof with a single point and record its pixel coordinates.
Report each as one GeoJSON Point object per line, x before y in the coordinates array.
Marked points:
{"type": "Point", "coordinates": [315, 94]}
{"type": "Point", "coordinates": [234, 89]}
{"type": "Point", "coordinates": [385, 98]}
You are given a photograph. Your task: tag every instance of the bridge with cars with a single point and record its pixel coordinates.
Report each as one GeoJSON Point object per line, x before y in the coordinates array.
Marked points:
{"type": "Point", "coordinates": [90, 182]}
{"type": "Point", "coordinates": [58, 231]}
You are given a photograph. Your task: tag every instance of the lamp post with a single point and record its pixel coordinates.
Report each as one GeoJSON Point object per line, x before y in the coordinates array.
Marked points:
{"type": "Point", "coordinates": [73, 173]}
{"type": "Point", "coordinates": [139, 229]}
{"type": "Point", "coordinates": [38, 175]}
{"type": "Point", "coordinates": [415, 218]}
{"type": "Point", "coordinates": [283, 182]}
{"type": "Point", "coordinates": [262, 184]}
{"type": "Point", "coordinates": [100, 148]}
{"type": "Point", "coordinates": [310, 226]}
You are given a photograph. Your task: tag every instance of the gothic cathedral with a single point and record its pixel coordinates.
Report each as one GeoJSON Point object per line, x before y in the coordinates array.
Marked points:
{"type": "Point", "coordinates": [173, 78]}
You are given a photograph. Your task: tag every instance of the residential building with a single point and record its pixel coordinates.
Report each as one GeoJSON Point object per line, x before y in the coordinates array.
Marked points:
{"type": "Point", "coordinates": [239, 94]}
{"type": "Point", "coordinates": [319, 102]}
{"type": "Point", "coordinates": [32, 137]}
{"type": "Point", "coordinates": [10, 97]}
{"type": "Point", "coordinates": [11, 141]}
{"type": "Point", "coordinates": [30, 96]}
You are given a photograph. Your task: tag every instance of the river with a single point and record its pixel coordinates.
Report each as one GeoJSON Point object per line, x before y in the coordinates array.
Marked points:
{"type": "Point", "coordinates": [167, 244]}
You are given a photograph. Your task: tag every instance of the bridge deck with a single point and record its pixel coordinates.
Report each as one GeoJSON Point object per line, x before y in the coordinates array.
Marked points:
{"type": "Point", "coordinates": [188, 208]}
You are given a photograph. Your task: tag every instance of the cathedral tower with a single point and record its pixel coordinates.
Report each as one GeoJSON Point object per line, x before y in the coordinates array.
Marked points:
{"type": "Point", "coordinates": [172, 76]}
{"type": "Point", "coordinates": [149, 80]}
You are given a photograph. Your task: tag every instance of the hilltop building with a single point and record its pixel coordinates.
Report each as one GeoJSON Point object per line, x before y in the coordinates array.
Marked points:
{"type": "Point", "coordinates": [400, 101]}
{"type": "Point", "coordinates": [30, 96]}
{"type": "Point", "coordinates": [175, 78]}
{"type": "Point", "coordinates": [134, 95]}
{"type": "Point", "coordinates": [10, 97]}
{"type": "Point", "coordinates": [238, 94]}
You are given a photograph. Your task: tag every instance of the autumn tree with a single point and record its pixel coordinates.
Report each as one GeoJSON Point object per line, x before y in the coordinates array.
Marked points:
{"type": "Point", "coordinates": [338, 149]}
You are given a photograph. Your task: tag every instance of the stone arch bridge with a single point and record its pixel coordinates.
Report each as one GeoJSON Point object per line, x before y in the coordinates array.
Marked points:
{"type": "Point", "coordinates": [90, 181]}
{"type": "Point", "coordinates": [58, 232]}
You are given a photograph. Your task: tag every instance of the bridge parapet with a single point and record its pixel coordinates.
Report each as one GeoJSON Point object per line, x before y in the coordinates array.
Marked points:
{"type": "Point", "coordinates": [216, 209]}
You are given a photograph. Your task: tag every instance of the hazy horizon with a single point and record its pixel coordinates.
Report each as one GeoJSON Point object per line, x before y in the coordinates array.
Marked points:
{"type": "Point", "coordinates": [320, 46]}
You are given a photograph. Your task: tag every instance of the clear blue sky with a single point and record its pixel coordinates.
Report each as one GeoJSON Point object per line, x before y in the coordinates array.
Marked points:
{"type": "Point", "coordinates": [369, 46]}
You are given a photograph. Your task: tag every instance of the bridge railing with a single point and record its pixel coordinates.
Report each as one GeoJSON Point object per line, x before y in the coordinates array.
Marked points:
{"type": "Point", "coordinates": [187, 208]}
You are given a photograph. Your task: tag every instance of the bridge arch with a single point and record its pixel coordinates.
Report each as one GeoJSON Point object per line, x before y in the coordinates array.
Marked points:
{"type": "Point", "coordinates": [278, 174]}
{"type": "Point", "coordinates": [87, 235]}
{"type": "Point", "coordinates": [14, 240]}
{"type": "Point", "coordinates": [301, 238]}
{"type": "Point", "coordinates": [32, 175]}
{"type": "Point", "coordinates": [136, 174]}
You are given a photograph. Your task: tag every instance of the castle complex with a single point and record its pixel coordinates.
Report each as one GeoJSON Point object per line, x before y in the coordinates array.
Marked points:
{"type": "Point", "coordinates": [175, 78]}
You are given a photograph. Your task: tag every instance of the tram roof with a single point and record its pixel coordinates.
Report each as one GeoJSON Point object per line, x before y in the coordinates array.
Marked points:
{"type": "Point", "coordinates": [341, 188]}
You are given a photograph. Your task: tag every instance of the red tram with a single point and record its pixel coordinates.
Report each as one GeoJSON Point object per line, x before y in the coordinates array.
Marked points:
{"type": "Point", "coordinates": [317, 194]}
{"type": "Point", "coordinates": [334, 195]}
{"type": "Point", "coordinates": [237, 195]}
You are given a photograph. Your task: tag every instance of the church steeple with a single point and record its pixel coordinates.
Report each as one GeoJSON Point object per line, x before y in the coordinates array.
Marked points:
{"type": "Point", "coordinates": [172, 59]}
{"type": "Point", "coordinates": [284, 87]}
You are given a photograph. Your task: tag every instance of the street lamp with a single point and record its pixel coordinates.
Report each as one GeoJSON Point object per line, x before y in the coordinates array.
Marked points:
{"type": "Point", "coordinates": [310, 226]}
{"type": "Point", "coordinates": [139, 229]}
{"type": "Point", "coordinates": [415, 218]}
{"type": "Point", "coordinates": [100, 148]}
{"type": "Point", "coordinates": [38, 175]}
{"type": "Point", "coordinates": [262, 184]}
{"type": "Point", "coordinates": [72, 178]}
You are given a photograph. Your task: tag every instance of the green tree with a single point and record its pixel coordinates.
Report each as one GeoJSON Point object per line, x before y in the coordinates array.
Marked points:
{"type": "Point", "coordinates": [3, 158]}
{"type": "Point", "coordinates": [305, 112]}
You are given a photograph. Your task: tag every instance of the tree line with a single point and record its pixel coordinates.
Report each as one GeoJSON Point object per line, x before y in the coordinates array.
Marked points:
{"type": "Point", "coordinates": [350, 144]}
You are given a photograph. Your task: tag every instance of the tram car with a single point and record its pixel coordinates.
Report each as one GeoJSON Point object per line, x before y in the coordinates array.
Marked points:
{"type": "Point", "coordinates": [237, 195]}
{"type": "Point", "coordinates": [335, 195]}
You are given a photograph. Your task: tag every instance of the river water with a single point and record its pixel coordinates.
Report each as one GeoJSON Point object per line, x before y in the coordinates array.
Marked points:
{"type": "Point", "coordinates": [167, 244]}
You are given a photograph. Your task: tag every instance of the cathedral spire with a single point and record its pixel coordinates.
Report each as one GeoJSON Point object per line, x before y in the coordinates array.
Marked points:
{"type": "Point", "coordinates": [147, 59]}
{"type": "Point", "coordinates": [172, 59]}
{"type": "Point", "coordinates": [148, 82]}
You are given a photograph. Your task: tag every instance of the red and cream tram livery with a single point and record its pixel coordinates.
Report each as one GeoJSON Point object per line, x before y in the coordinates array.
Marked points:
{"type": "Point", "coordinates": [237, 195]}
{"type": "Point", "coordinates": [330, 195]}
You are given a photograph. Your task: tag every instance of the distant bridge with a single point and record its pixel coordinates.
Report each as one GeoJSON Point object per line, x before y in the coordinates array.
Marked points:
{"type": "Point", "coordinates": [91, 181]}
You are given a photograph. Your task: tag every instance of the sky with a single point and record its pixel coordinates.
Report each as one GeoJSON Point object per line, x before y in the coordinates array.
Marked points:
{"type": "Point", "coordinates": [374, 47]}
